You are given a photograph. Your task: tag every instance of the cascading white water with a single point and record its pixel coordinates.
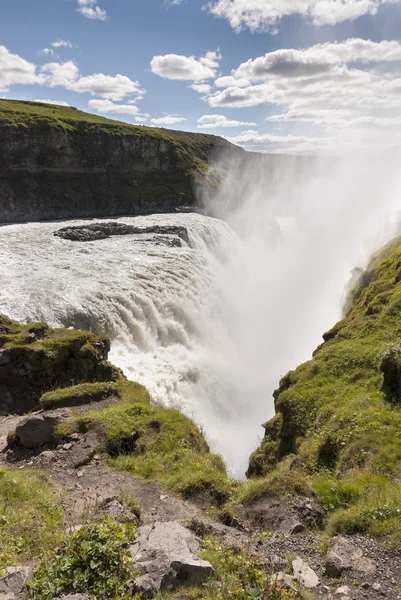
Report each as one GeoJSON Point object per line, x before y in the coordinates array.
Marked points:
{"type": "Point", "coordinates": [210, 327]}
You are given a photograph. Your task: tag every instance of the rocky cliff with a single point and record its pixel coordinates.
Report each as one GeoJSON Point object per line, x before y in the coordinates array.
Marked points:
{"type": "Point", "coordinates": [58, 162]}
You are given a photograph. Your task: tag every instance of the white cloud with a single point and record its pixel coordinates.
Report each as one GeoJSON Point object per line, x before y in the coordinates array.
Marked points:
{"type": "Point", "coordinates": [213, 121]}
{"type": "Point", "coordinates": [57, 102]}
{"type": "Point", "coordinates": [265, 14]}
{"type": "Point", "coordinates": [115, 87]}
{"type": "Point", "coordinates": [91, 10]}
{"type": "Point", "coordinates": [47, 52]}
{"type": "Point", "coordinates": [168, 120]}
{"type": "Point", "coordinates": [254, 141]}
{"type": "Point", "coordinates": [110, 87]}
{"type": "Point", "coordinates": [16, 70]}
{"type": "Point", "coordinates": [312, 61]}
{"type": "Point", "coordinates": [61, 44]}
{"type": "Point", "coordinates": [108, 107]}
{"type": "Point", "coordinates": [186, 68]}
{"type": "Point", "coordinates": [201, 88]}
{"type": "Point", "coordinates": [61, 74]}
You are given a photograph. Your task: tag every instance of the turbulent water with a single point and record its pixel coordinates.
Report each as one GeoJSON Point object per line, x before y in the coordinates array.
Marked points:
{"type": "Point", "coordinates": [164, 307]}
{"type": "Point", "coordinates": [210, 327]}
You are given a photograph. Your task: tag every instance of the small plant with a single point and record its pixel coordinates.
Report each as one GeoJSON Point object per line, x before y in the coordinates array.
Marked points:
{"type": "Point", "coordinates": [95, 560]}
{"type": "Point", "coordinates": [238, 576]}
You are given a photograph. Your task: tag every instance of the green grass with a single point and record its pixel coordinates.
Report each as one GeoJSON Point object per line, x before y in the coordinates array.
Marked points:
{"type": "Point", "coordinates": [31, 518]}
{"type": "Point", "coordinates": [237, 576]}
{"type": "Point", "coordinates": [157, 443]}
{"type": "Point", "coordinates": [84, 393]}
{"type": "Point", "coordinates": [339, 415]}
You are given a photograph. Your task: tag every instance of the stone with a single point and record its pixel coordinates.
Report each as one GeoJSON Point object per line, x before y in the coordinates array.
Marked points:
{"type": "Point", "coordinates": [116, 511]}
{"type": "Point", "coordinates": [286, 581]}
{"type": "Point", "coordinates": [291, 526]}
{"type": "Point", "coordinates": [13, 585]}
{"type": "Point", "coordinates": [342, 591]}
{"type": "Point", "coordinates": [36, 430]}
{"type": "Point", "coordinates": [165, 554]}
{"type": "Point", "coordinates": [376, 587]}
{"type": "Point", "coordinates": [342, 556]}
{"type": "Point", "coordinates": [304, 574]}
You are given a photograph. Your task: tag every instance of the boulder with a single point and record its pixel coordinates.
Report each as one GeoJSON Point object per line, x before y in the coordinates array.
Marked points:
{"type": "Point", "coordinates": [304, 574]}
{"type": "Point", "coordinates": [166, 556]}
{"type": "Point", "coordinates": [113, 509]}
{"type": "Point", "coordinates": [37, 430]}
{"type": "Point", "coordinates": [342, 556]}
{"type": "Point", "coordinates": [13, 585]}
{"type": "Point", "coordinates": [291, 526]}
{"type": "Point", "coordinates": [342, 591]}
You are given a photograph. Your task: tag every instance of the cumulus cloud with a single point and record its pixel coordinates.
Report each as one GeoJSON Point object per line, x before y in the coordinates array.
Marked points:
{"type": "Point", "coordinates": [201, 88]}
{"type": "Point", "coordinates": [91, 10]}
{"type": "Point", "coordinates": [186, 68]}
{"type": "Point", "coordinates": [324, 76]}
{"type": "Point", "coordinates": [262, 15]}
{"type": "Point", "coordinates": [168, 120]}
{"type": "Point", "coordinates": [57, 102]}
{"type": "Point", "coordinates": [16, 70]}
{"type": "Point", "coordinates": [110, 87]}
{"type": "Point", "coordinates": [61, 74]}
{"type": "Point", "coordinates": [214, 121]}
{"type": "Point", "coordinates": [115, 87]}
{"type": "Point", "coordinates": [108, 107]}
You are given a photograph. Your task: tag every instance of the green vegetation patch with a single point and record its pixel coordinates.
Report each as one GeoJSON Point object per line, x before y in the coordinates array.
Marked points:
{"type": "Point", "coordinates": [338, 422]}
{"type": "Point", "coordinates": [95, 561]}
{"type": "Point", "coordinates": [85, 393]}
{"type": "Point", "coordinates": [31, 517]}
{"type": "Point", "coordinates": [157, 443]}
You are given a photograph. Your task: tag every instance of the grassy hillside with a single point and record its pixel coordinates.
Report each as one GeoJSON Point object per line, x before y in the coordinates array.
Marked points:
{"type": "Point", "coordinates": [337, 431]}
{"type": "Point", "coordinates": [16, 113]}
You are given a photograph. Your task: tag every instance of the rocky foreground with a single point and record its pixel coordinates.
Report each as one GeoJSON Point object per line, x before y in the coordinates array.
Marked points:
{"type": "Point", "coordinates": [93, 460]}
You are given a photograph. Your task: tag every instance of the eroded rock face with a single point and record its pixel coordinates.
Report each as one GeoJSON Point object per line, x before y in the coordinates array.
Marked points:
{"type": "Point", "coordinates": [166, 555]}
{"type": "Point", "coordinates": [35, 359]}
{"type": "Point", "coordinates": [342, 556]}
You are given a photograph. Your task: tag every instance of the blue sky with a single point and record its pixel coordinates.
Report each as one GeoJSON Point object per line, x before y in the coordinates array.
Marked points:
{"type": "Point", "coordinates": [272, 75]}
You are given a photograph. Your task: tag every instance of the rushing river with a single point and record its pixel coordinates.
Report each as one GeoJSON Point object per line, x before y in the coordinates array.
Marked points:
{"type": "Point", "coordinates": [211, 325]}
{"type": "Point", "coordinates": [166, 309]}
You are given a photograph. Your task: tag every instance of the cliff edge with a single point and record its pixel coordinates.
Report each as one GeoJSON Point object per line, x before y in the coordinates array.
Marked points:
{"type": "Point", "coordinates": [58, 162]}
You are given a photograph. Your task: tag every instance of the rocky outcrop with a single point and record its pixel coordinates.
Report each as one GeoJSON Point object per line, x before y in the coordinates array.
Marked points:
{"type": "Point", "coordinates": [58, 163]}
{"type": "Point", "coordinates": [35, 359]}
{"type": "Point", "coordinates": [165, 554]}
{"type": "Point", "coordinates": [102, 231]}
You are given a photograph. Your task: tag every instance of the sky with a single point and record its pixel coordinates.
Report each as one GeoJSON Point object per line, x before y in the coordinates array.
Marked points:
{"type": "Point", "coordinates": [281, 76]}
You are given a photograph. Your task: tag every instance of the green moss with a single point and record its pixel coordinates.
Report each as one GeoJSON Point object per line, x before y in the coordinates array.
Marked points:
{"type": "Point", "coordinates": [157, 443]}
{"type": "Point", "coordinates": [85, 393]}
{"type": "Point", "coordinates": [340, 412]}
{"type": "Point", "coordinates": [31, 517]}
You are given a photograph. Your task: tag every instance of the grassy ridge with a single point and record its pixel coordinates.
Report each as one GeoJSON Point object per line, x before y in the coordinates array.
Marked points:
{"type": "Point", "coordinates": [194, 147]}
{"type": "Point", "coordinates": [338, 423]}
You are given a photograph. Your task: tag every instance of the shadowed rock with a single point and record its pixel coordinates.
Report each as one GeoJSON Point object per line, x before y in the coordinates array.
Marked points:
{"type": "Point", "coordinates": [102, 231]}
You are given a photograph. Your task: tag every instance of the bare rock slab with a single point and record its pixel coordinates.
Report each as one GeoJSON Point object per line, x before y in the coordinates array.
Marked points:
{"type": "Point", "coordinates": [38, 430]}
{"type": "Point", "coordinates": [166, 556]}
{"type": "Point", "coordinates": [304, 574]}
{"type": "Point", "coordinates": [342, 556]}
{"type": "Point", "coordinates": [13, 585]}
